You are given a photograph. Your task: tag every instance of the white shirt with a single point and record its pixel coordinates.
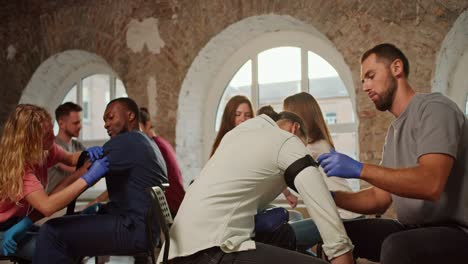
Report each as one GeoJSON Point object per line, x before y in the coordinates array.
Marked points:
{"type": "Point", "coordinates": [334, 183]}
{"type": "Point", "coordinates": [245, 174]}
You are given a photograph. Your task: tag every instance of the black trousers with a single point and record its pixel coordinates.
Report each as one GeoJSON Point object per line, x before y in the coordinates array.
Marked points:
{"type": "Point", "coordinates": [262, 254]}
{"type": "Point", "coordinates": [282, 237]}
{"type": "Point", "coordinates": [389, 242]}
{"type": "Point", "coordinates": [65, 239]}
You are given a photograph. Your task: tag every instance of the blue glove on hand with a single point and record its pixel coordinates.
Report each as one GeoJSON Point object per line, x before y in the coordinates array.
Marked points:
{"type": "Point", "coordinates": [96, 171]}
{"type": "Point", "coordinates": [13, 234]}
{"type": "Point", "coordinates": [95, 153]}
{"type": "Point", "coordinates": [92, 209]}
{"type": "Point", "coordinates": [340, 165]}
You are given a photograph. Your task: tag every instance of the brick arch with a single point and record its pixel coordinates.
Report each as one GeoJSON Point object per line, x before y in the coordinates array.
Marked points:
{"type": "Point", "coordinates": [52, 79]}
{"type": "Point", "coordinates": [452, 63]}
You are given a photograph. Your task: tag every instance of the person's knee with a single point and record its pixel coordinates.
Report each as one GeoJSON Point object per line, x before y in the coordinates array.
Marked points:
{"type": "Point", "coordinates": [395, 249]}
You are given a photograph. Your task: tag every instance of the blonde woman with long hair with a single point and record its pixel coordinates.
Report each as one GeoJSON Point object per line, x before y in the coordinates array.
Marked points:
{"type": "Point", "coordinates": [27, 149]}
{"type": "Point", "coordinates": [319, 141]}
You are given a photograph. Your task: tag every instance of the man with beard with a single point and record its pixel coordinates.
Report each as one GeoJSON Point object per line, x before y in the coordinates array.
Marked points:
{"type": "Point", "coordinates": [68, 116]}
{"type": "Point", "coordinates": [135, 164]}
{"type": "Point", "coordinates": [423, 171]}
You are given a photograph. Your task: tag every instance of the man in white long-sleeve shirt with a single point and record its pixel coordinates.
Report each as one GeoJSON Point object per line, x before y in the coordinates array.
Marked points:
{"type": "Point", "coordinates": [215, 223]}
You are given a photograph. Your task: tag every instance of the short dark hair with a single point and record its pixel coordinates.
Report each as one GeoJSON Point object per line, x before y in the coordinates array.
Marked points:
{"type": "Point", "coordinates": [65, 109]}
{"type": "Point", "coordinates": [289, 116]}
{"type": "Point", "coordinates": [388, 52]}
{"type": "Point", "coordinates": [129, 104]}
{"type": "Point", "coordinates": [144, 115]}
{"type": "Point", "coordinates": [269, 111]}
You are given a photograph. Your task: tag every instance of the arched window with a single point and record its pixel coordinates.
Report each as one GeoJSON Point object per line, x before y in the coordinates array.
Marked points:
{"type": "Point", "coordinates": [92, 93]}
{"type": "Point", "coordinates": [231, 63]}
{"type": "Point", "coordinates": [466, 107]}
{"type": "Point", "coordinates": [273, 74]}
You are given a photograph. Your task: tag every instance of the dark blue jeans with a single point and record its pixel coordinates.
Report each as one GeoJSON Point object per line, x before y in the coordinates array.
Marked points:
{"type": "Point", "coordinates": [65, 239]}
{"type": "Point", "coordinates": [391, 242]}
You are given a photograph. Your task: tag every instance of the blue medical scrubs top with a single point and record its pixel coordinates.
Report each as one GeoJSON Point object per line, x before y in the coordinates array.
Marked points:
{"type": "Point", "coordinates": [135, 165]}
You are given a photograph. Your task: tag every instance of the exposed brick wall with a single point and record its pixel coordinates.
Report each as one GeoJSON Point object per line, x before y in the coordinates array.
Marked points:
{"type": "Point", "coordinates": [40, 30]}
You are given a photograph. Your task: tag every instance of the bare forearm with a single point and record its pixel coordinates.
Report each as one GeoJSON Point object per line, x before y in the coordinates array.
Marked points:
{"type": "Point", "coordinates": [60, 199]}
{"type": "Point", "coordinates": [70, 179]}
{"type": "Point", "coordinates": [66, 168]}
{"type": "Point", "coordinates": [362, 202]}
{"type": "Point", "coordinates": [47, 205]}
{"type": "Point", "coordinates": [408, 182]}
{"type": "Point", "coordinates": [344, 259]}
{"type": "Point", "coordinates": [71, 159]}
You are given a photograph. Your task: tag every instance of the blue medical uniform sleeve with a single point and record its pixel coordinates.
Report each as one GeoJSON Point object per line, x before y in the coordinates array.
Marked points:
{"type": "Point", "coordinates": [120, 152]}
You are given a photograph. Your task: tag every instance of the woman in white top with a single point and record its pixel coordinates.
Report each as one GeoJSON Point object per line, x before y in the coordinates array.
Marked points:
{"type": "Point", "coordinates": [319, 141]}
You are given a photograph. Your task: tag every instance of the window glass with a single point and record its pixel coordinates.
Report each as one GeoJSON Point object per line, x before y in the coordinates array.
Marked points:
{"type": "Point", "coordinates": [345, 143]}
{"type": "Point", "coordinates": [330, 117]}
{"type": "Point", "coordinates": [71, 95]}
{"type": "Point", "coordinates": [95, 90]}
{"type": "Point", "coordinates": [120, 89]}
{"type": "Point", "coordinates": [279, 75]}
{"type": "Point", "coordinates": [466, 107]}
{"type": "Point", "coordinates": [324, 81]}
{"type": "Point", "coordinates": [240, 84]}
{"type": "Point", "coordinates": [341, 107]}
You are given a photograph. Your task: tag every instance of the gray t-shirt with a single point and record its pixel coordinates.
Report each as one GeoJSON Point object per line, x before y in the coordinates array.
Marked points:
{"type": "Point", "coordinates": [431, 124]}
{"type": "Point", "coordinates": [55, 174]}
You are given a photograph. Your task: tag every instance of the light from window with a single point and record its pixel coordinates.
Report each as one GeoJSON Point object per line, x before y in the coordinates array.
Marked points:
{"type": "Point", "coordinates": [346, 143]}
{"type": "Point", "coordinates": [120, 89]}
{"type": "Point", "coordinates": [94, 90]}
{"type": "Point", "coordinates": [240, 84]}
{"type": "Point", "coordinates": [324, 81]}
{"type": "Point", "coordinates": [71, 96]}
{"type": "Point", "coordinates": [330, 118]}
{"type": "Point", "coordinates": [466, 107]}
{"type": "Point", "coordinates": [341, 106]}
{"type": "Point", "coordinates": [279, 75]}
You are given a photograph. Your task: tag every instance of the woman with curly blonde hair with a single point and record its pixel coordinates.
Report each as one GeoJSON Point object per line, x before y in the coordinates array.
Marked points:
{"type": "Point", "coordinates": [27, 149]}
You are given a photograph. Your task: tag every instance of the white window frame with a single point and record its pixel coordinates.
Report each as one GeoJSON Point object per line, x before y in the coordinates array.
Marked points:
{"type": "Point", "coordinates": [250, 51]}
{"type": "Point", "coordinates": [77, 79]}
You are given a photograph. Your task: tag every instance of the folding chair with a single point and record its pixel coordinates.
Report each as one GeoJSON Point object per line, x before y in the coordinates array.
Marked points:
{"type": "Point", "coordinates": [161, 208]}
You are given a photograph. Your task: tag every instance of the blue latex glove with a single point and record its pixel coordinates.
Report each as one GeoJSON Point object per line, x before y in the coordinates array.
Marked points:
{"type": "Point", "coordinates": [13, 234]}
{"type": "Point", "coordinates": [95, 153]}
{"type": "Point", "coordinates": [92, 209]}
{"type": "Point", "coordinates": [96, 171]}
{"type": "Point", "coordinates": [340, 165]}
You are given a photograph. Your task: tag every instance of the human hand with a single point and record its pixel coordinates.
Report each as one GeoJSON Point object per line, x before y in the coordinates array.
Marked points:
{"type": "Point", "coordinates": [340, 165]}
{"type": "Point", "coordinates": [292, 199]}
{"type": "Point", "coordinates": [95, 153]}
{"type": "Point", "coordinates": [96, 171]}
{"type": "Point", "coordinates": [13, 234]}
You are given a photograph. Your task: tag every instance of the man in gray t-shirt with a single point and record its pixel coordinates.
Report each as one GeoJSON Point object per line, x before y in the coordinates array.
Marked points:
{"type": "Point", "coordinates": [424, 171]}
{"type": "Point", "coordinates": [68, 116]}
